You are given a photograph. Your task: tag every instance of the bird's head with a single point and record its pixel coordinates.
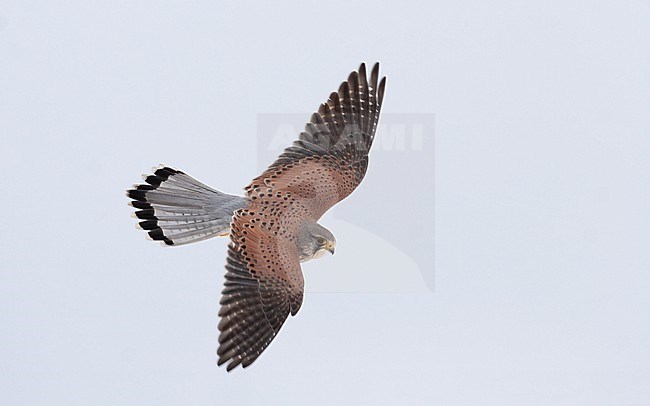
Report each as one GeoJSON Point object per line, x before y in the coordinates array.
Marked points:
{"type": "Point", "coordinates": [314, 240]}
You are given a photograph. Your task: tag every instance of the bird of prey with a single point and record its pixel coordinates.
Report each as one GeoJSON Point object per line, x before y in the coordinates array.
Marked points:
{"type": "Point", "coordinates": [274, 226]}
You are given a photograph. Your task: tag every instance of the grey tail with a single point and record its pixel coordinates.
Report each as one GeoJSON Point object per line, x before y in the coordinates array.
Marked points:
{"type": "Point", "coordinates": [177, 209]}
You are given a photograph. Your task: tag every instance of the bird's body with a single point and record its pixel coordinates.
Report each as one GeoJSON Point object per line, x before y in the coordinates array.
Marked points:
{"type": "Point", "coordinates": [273, 228]}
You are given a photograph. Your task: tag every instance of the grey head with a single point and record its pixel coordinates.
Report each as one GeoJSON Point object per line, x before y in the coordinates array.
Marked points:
{"type": "Point", "coordinates": [314, 240]}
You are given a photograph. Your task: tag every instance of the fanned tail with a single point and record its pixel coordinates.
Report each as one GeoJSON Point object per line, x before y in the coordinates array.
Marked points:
{"type": "Point", "coordinates": [177, 209]}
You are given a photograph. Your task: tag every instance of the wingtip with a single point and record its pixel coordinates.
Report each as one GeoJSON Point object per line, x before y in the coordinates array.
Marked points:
{"type": "Point", "coordinates": [353, 77]}
{"type": "Point", "coordinates": [374, 74]}
{"type": "Point", "coordinates": [380, 90]}
{"type": "Point", "coordinates": [233, 364]}
{"type": "Point", "coordinates": [362, 69]}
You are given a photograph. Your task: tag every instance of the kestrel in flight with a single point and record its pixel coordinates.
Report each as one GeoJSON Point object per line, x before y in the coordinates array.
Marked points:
{"type": "Point", "coordinates": [273, 227]}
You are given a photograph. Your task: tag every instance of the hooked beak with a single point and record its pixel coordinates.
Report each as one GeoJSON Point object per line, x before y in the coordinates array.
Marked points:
{"type": "Point", "coordinates": [330, 248]}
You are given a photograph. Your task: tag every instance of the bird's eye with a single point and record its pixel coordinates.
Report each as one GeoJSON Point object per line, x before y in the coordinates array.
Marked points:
{"type": "Point", "coordinates": [320, 240]}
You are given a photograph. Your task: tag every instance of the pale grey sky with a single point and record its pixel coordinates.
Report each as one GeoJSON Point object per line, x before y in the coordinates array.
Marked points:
{"type": "Point", "coordinates": [542, 205]}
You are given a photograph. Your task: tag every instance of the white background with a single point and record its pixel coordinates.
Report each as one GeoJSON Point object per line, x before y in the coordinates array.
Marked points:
{"type": "Point", "coordinates": [542, 201]}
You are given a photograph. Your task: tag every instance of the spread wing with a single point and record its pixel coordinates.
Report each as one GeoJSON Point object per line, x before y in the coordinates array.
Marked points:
{"type": "Point", "coordinates": [264, 281]}
{"type": "Point", "coordinates": [330, 158]}
{"type": "Point", "coordinates": [263, 285]}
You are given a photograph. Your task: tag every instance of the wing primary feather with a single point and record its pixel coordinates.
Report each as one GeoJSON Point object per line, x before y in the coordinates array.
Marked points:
{"type": "Point", "coordinates": [380, 100]}
{"type": "Point", "coordinates": [363, 80]}
{"type": "Point", "coordinates": [339, 120]}
{"type": "Point", "coordinates": [374, 75]}
{"type": "Point", "coordinates": [372, 98]}
{"type": "Point", "coordinates": [366, 108]}
{"type": "Point", "coordinates": [356, 96]}
{"type": "Point", "coordinates": [380, 91]}
{"type": "Point", "coordinates": [348, 111]}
